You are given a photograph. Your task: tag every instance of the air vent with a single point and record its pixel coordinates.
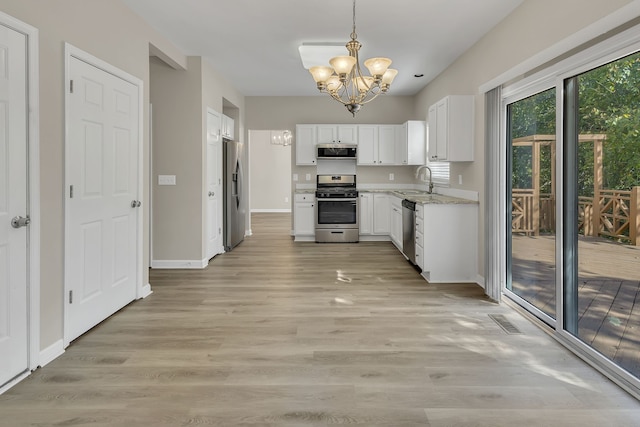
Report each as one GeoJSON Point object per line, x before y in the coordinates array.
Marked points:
{"type": "Point", "coordinates": [505, 324]}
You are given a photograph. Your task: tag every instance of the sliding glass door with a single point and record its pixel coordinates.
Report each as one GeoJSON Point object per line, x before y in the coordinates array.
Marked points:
{"type": "Point", "coordinates": [531, 233]}
{"type": "Point", "coordinates": [572, 200]}
{"type": "Point", "coordinates": [602, 139]}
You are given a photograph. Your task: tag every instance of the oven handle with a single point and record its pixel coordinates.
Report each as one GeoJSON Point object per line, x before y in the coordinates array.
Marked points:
{"type": "Point", "coordinates": [328, 199]}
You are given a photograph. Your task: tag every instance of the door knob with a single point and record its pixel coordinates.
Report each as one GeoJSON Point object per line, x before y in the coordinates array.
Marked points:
{"type": "Point", "coordinates": [19, 221]}
{"type": "Point", "coordinates": [136, 203]}
{"type": "Point", "coordinates": [211, 194]}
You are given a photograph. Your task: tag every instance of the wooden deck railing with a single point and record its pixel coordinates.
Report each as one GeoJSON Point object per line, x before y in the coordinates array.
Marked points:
{"type": "Point", "coordinates": [616, 214]}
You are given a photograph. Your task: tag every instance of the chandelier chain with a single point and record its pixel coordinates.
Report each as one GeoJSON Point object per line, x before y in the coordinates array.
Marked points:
{"type": "Point", "coordinates": [354, 35]}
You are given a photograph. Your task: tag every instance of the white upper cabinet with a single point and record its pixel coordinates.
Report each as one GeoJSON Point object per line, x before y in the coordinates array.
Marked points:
{"type": "Point", "coordinates": [411, 143]}
{"type": "Point", "coordinates": [337, 134]}
{"type": "Point", "coordinates": [376, 144]}
{"type": "Point", "coordinates": [305, 144]}
{"type": "Point", "coordinates": [227, 127]}
{"type": "Point", "coordinates": [451, 128]}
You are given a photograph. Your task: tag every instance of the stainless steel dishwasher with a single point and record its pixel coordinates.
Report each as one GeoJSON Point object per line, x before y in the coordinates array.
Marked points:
{"type": "Point", "coordinates": [409, 230]}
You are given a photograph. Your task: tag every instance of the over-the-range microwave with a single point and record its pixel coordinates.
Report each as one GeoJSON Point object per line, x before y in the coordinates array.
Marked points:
{"type": "Point", "coordinates": [336, 151]}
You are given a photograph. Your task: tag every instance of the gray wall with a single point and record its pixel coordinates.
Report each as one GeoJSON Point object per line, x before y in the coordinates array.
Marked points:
{"type": "Point", "coordinates": [533, 27]}
{"type": "Point", "coordinates": [113, 33]}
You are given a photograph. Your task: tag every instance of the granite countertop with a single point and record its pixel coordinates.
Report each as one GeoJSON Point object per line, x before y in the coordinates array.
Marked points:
{"type": "Point", "coordinates": [417, 196]}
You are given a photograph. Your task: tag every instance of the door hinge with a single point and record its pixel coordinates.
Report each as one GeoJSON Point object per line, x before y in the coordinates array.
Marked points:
{"type": "Point", "coordinates": [219, 230]}
{"type": "Point", "coordinates": [71, 191]}
{"type": "Point", "coordinates": [71, 86]}
{"type": "Point", "coordinates": [70, 297]}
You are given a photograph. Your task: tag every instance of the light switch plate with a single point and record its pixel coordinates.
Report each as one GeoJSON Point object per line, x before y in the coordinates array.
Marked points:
{"type": "Point", "coordinates": [295, 176]}
{"type": "Point", "coordinates": [166, 180]}
{"type": "Point", "coordinates": [308, 177]}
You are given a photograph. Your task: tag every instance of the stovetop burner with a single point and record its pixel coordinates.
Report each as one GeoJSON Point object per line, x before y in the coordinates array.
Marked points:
{"type": "Point", "coordinates": [336, 186]}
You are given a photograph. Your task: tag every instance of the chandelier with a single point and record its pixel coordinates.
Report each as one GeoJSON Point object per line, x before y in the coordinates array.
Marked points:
{"type": "Point", "coordinates": [344, 80]}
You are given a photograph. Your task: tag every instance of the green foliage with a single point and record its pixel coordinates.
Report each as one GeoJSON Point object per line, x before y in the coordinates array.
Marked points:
{"type": "Point", "coordinates": [609, 104]}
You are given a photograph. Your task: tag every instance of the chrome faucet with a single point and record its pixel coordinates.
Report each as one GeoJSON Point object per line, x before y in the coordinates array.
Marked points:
{"type": "Point", "coordinates": [430, 176]}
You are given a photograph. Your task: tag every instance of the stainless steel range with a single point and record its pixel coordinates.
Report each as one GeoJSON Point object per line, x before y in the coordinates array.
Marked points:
{"type": "Point", "coordinates": [337, 209]}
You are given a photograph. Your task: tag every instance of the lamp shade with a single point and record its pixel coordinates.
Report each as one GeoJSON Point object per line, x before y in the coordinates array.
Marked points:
{"type": "Point", "coordinates": [343, 64]}
{"type": "Point", "coordinates": [333, 84]}
{"type": "Point", "coordinates": [320, 74]}
{"type": "Point", "coordinates": [364, 84]}
{"type": "Point", "coordinates": [377, 66]}
{"type": "Point", "coordinates": [388, 76]}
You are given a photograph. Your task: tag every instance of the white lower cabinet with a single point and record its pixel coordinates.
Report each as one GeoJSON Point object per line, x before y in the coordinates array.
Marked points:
{"type": "Point", "coordinates": [450, 241]}
{"type": "Point", "coordinates": [374, 214]}
{"type": "Point", "coordinates": [395, 232]}
{"type": "Point", "coordinates": [304, 217]}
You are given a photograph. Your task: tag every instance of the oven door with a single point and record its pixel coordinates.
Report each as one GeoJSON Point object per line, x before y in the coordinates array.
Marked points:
{"type": "Point", "coordinates": [337, 213]}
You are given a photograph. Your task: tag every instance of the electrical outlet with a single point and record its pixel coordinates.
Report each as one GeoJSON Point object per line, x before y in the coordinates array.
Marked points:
{"type": "Point", "coordinates": [460, 179]}
{"type": "Point", "coordinates": [295, 176]}
{"type": "Point", "coordinates": [286, 200]}
{"type": "Point", "coordinates": [308, 176]}
{"type": "Point", "coordinates": [391, 177]}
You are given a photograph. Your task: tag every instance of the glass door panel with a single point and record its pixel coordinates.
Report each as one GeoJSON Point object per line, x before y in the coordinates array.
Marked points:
{"type": "Point", "coordinates": [531, 234]}
{"type": "Point", "coordinates": [607, 309]}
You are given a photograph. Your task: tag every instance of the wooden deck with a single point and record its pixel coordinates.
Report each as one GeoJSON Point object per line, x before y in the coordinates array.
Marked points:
{"type": "Point", "coordinates": [608, 293]}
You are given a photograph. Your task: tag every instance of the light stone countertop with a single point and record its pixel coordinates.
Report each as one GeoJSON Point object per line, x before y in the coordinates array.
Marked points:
{"type": "Point", "coordinates": [417, 196]}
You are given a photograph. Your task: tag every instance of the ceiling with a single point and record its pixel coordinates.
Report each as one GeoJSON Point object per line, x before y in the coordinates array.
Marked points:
{"type": "Point", "coordinates": [254, 43]}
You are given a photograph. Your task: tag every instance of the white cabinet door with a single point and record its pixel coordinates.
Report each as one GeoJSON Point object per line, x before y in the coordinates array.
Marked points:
{"type": "Point", "coordinates": [337, 134]}
{"type": "Point", "coordinates": [386, 145]}
{"type": "Point", "coordinates": [327, 134]}
{"type": "Point", "coordinates": [402, 151]}
{"type": "Point", "coordinates": [396, 222]}
{"type": "Point", "coordinates": [305, 145]}
{"type": "Point", "coordinates": [442, 129]}
{"type": "Point", "coordinates": [432, 152]}
{"type": "Point", "coordinates": [347, 134]}
{"type": "Point", "coordinates": [451, 129]}
{"type": "Point", "coordinates": [367, 144]}
{"type": "Point", "coordinates": [381, 214]}
{"type": "Point", "coordinates": [366, 213]}
{"type": "Point", "coordinates": [304, 215]}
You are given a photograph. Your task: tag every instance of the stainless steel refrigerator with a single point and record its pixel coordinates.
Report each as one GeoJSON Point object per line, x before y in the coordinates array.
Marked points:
{"type": "Point", "coordinates": [234, 198]}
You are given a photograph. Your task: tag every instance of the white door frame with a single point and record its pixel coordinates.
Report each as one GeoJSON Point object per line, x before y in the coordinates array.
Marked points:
{"type": "Point", "coordinates": [71, 51]}
{"type": "Point", "coordinates": [33, 188]}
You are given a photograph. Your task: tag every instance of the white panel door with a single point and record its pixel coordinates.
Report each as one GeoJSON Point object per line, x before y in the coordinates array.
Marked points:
{"type": "Point", "coordinates": [101, 196]}
{"type": "Point", "coordinates": [13, 202]}
{"type": "Point", "coordinates": [214, 185]}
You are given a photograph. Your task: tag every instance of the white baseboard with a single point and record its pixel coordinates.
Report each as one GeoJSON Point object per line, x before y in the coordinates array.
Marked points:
{"type": "Point", "coordinates": [480, 281]}
{"type": "Point", "coordinates": [179, 264]}
{"type": "Point", "coordinates": [305, 239]}
{"type": "Point", "coordinates": [146, 291]}
{"type": "Point", "coordinates": [270, 210]}
{"type": "Point", "coordinates": [51, 353]}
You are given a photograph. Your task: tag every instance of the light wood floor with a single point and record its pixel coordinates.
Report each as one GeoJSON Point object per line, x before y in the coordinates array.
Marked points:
{"type": "Point", "coordinates": [277, 333]}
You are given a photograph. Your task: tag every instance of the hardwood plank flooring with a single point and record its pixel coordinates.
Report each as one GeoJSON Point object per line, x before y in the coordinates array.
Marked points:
{"type": "Point", "coordinates": [277, 333]}
{"type": "Point", "coordinates": [608, 292]}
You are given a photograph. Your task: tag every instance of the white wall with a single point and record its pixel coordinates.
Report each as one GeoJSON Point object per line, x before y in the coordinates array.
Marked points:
{"type": "Point", "coordinates": [270, 188]}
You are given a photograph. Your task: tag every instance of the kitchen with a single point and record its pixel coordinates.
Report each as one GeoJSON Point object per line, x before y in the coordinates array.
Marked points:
{"type": "Point", "coordinates": [139, 49]}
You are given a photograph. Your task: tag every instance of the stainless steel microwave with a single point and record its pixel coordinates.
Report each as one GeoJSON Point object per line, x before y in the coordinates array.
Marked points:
{"type": "Point", "coordinates": [336, 151]}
